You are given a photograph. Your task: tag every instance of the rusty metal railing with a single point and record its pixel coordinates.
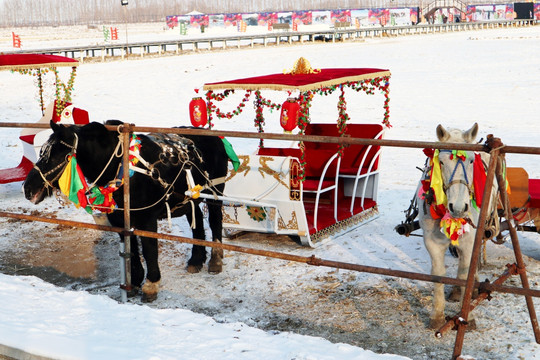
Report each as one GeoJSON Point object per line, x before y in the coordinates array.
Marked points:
{"type": "Point", "coordinates": [459, 322]}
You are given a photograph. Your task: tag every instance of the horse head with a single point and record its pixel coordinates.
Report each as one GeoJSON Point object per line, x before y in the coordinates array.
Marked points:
{"type": "Point", "coordinates": [457, 169]}
{"type": "Point", "coordinates": [53, 159]}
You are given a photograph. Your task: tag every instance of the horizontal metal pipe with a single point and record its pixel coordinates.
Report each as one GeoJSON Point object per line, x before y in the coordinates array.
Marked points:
{"type": "Point", "coordinates": [312, 138]}
{"type": "Point", "coordinates": [310, 260]}
{"type": "Point", "coordinates": [230, 200]}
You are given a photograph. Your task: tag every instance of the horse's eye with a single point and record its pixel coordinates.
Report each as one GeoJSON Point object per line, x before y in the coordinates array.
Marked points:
{"type": "Point", "coordinates": [440, 162]}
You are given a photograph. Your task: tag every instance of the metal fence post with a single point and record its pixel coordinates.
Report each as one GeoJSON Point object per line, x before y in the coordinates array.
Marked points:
{"type": "Point", "coordinates": [467, 297]}
{"type": "Point", "coordinates": [125, 246]}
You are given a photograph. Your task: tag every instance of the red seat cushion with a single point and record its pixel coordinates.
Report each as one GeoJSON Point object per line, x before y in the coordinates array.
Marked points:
{"type": "Point", "coordinates": [313, 184]}
{"type": "Point", "coordinates": [319, 153]}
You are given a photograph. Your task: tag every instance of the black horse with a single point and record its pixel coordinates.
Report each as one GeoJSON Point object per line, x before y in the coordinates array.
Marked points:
{"type": "Point", "coordinates": [167, 165]}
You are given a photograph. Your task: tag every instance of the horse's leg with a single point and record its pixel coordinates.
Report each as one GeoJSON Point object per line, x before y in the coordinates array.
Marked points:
{"type": "Point", "coordinates": [436, 251]}
{"type": "Point", "coordinates": [466, 247]}
{"type": "Point", "coordinates": [150, 287]}
{"type": "Point", "coordinates": [463, 270]}
{"type": "Point", "coordinates": [198, 253]}
{"type": "Point", "coordinates": [215, 218]}
{"type": "Point", "coordinates": [455, 293]}
{"type": "Point", "coordinates": [137, 270]}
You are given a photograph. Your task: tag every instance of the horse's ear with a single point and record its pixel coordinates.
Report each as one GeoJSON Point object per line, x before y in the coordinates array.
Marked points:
{"type": "Point", "coordinates": [442, 134]}
{"type": "Point", "coordinates": [58, 129]}
{"type": "Point", "coordinates": [470, 134]}
{"type": "Point", "coordinates": [54, 126]}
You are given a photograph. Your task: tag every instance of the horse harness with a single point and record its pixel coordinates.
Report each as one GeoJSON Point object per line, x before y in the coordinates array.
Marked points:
{"type": "Point", "coordinates": [175, 150]}
{"type": "Point", "coordinates": [491, 221]}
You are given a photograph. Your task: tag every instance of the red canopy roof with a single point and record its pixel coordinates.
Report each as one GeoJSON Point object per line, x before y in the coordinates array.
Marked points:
{"type": "Point", "coordinates": [34, 61]}
{"type": "Point", "coordinates": [302, 82]}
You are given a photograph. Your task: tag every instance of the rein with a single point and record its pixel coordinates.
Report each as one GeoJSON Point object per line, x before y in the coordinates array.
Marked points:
{"type": "Point", "coordinates": [119, 146]}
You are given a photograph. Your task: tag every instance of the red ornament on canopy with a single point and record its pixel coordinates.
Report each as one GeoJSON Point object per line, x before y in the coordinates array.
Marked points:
{"type": "Point", "coordinates": [197, 112]}
{"type": "Point", "coordinates": [289, 114]}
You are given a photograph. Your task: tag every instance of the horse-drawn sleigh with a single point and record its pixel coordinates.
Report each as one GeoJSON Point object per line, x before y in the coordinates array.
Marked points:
{"type": "Point", "coordinates": [307, 190]}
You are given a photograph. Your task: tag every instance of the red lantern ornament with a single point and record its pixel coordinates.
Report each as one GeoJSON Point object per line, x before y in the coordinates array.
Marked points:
{"type": "Point", "coordinates": [197, 112]}
{"type": "Point", "coordinates": [289, 114]}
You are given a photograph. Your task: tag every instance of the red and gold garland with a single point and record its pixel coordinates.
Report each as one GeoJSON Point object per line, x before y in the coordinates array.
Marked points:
{"type": "Point", "coordinates": [369, 86]}
{"type": "Point", "coordinates": [60, 86]}
{"type": "Point", "coordinates": [210, 96]}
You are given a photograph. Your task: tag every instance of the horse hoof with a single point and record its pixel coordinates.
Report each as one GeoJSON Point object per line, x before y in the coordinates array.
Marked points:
{"type": "Point", "coordinates": [215, 268]}
{"type": "Point", "coordinates": [132, 292]}
{"type": "Point", "coordinates": [150, 291]}
{"type": "Point", "coordinates": [148, 298]}
{"type": "Point", "coordinates": [215, 265]}
{"type": "Point", "coordinates": [471, 324]}
{"type": "Point", "coordinates": [193, 269]}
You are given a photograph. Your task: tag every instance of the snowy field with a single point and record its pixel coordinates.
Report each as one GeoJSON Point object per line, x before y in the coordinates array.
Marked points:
{"type": "Point", "coordinates": [491, 77]}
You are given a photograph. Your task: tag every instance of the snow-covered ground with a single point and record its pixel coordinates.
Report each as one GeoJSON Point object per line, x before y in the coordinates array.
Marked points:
{"type": "Point", "coordinates": [491, 77]}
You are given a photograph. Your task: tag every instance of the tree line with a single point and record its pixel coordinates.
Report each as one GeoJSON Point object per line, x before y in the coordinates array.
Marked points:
{"type": "Point", "coordinates": [70, 12]}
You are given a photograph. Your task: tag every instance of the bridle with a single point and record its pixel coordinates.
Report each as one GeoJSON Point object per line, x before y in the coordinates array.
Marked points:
{"type": "Point", "coordinates": [452, 181]}
{"type": "Point", "coordinates": [61, 166]}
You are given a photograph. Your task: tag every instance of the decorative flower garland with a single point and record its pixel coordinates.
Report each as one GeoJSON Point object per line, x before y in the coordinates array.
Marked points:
{"type": "Point", "coordinates": [259, 103]}
{"type": "Point", "coordinates": [210, 96]}
{"type": "Point", "coordinates": [39, 82]}
{"type": "Point", "coordinates": [259, 117]}
{"type": "Point", "coordinates": [67, 89]}
{"type": "Point", "coordinates": [265, 102]}
{"type": "Point", "coordinates": [369, 86]}
{"type": "Point", "coordinates": [303, 119]}
{"type": "Point", "coordinates": [60, 86]}
{"type": "Point", "coordinates": [343, 117]}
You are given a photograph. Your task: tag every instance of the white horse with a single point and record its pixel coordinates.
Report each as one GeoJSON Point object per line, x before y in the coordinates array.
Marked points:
{"type": "Point", "coordinates": [448, 211]}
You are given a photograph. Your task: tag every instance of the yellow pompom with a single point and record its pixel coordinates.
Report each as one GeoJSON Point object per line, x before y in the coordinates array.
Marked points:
{"type": "Point", "coordinates": [196, 191]}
